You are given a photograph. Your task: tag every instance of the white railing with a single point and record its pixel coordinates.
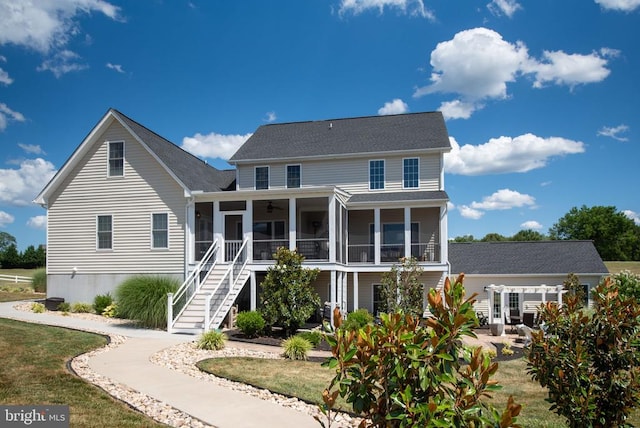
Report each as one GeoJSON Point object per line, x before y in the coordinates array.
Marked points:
{"type": "Point", "coordinates": [231, 249]}
{"type": "Point", "coordinates": [227, 283]}
{"type": "Point", "coordinates": [363, 253]}
{"type": "Point", "coordinates": [14, 278]}
{"type": "Point", "coordinates": [178, 301]}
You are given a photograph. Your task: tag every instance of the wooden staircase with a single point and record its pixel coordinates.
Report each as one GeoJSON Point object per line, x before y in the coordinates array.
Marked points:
{"type": "Point", "coordinates": [192, 319]}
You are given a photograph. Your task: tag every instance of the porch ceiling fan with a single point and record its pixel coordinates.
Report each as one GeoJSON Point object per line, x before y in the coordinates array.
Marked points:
{"type": "Point", "coordinates": [271, 207]}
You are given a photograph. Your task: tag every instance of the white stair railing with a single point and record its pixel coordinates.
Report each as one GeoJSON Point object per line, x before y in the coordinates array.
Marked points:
{"type": "Point", "coordinates": [177, 302]}
{"type": "Point", "coordinates": [227, 282]}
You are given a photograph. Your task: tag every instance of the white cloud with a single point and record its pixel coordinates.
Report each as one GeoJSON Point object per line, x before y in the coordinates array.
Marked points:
{"type": "Point", "coordinates": [633, 216]}
{"type": "Point", "coordinates": [397, 106]}
{"type": "Point", "coordinates": [38, 222]}
{"type": "Point", "coordinates": [45, 26]}
{"type": "Point", "coordinates": [33, 149]}
{"type": "Point", "coordinates": [271, 116]}
{"type": "Point", "coordinates": [451, 206]}
{"type": "Point", "coordinates": [504, 199]}
{"type": "Point", "coordinates": [470, 213]}
{"type": "Point", "coordinates": [214, 145]}
{"type": "Point", "coordinates": [531, 224]}
{"type": "Point", "coordinates": [614, 132]}
{"type": "Point", "coordinates": [5, 218]}
{"type": "Point", "coordinates": [621, 5]}
{"type": "Point", "coordinates": [4, 77]}
{"type": "Point", "coordinates": [504, 7]}
{"type": "Point", "coordinates": [506, 154]}
{"type": "Point", "coordinates": [7, 115]}
{"type": "Point", "coordinates": [62, 62]}
{"type": "Point", "coordinates": [477, 65]}
{"type": "Point", "coordinates": [412, 7]}
{"type": "Point", "coordinates": [19, 186]}
{"type": "Point", "coordinates": [116, 67]}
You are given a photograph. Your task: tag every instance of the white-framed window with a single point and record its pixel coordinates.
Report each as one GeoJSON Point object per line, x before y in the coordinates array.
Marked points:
{"type": "Point", "coordinates": [104, 232]}
{"type": "Point", "coordinates": [262, 177]}
{"type": "Point", "coordinates": [160, 230]}
{"type": "Point", "coordinates": [410, 173]}
{"type": "Point", "coordinates": [116, 159]}
{"type": "Point", "coordinates": [294, 176]}
{"type": "Point", "coordinates": [376, 174]}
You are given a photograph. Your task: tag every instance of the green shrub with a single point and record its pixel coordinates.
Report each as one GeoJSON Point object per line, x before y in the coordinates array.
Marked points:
{"type": "Point", "coordinates": [212, 340]}
{"type": "Point", "coordinates": [296, 348]}
{"type": "Point", "coordinates": [357, 319]}
{"type": "Point", "coordinates": [37, 308]}
{"type": "Point", "coordinates": [314, 337]}
{"type": "Point", "coordinates": [39, 280]}
{"type": "Point", "coordinates": [250, 323]}
{"type": "Point", "coordinates": [82, 308]}
{"type": "Point", "coordinates": [101, 301]}
{"type": "Point", "coordinates": [143, 298]}
{"type": "Point", "coordinates": [64, 307]}
{"type": "Point", "coordinates": [111, 311]}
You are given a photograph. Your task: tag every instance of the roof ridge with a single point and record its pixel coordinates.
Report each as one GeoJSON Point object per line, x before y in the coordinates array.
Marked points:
{"type": "Point", "coordinates": [351, 118]}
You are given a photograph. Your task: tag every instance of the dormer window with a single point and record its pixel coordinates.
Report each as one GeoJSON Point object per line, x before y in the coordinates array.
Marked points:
{"type": "Point", "coordinates": [410, 173]}
{"type": "Point", "coordinates": [376, 174]}
{"type": "Point", "coordinates": [262, 177]}
{"type": "Point", "coordinates": [116, 158]}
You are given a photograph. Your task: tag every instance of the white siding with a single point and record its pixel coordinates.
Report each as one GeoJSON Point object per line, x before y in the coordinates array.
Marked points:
{"type": "Point", "coordinates": [87, 192]}
{"type": "Point", "coordinates": [351, 174]}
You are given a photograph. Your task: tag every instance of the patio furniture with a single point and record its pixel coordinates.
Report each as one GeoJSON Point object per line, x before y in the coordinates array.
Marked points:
{"type": "Point", "coordinates": [524, 331]}
{"type": "Point", "coordinates": [514, 319]}
{"type": "Point", "coordinates": [529, 319]}
{"type": "Point", "coordinates": [482, 319]}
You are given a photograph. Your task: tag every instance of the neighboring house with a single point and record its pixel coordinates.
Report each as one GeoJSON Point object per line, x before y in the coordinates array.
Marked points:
{"type": "Point", "coordinates": [352, 195]}
{"type": "Point", "coordinates": [509, 275]}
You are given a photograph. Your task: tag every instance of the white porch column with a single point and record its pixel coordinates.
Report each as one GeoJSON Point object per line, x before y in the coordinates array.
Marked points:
{"type": "Point", "coordinates": [254, 292]}
{"type": "Point", "coordinates": [189, 238]}
{"type": "Point", "coordinates": [332, 229]}
{"type": "Point", "coordinates": [544, 293]}
{"type": "Point", "coordinates": [376, 235]}
{"type": "Point", "coordinates": [345, 297]}
{"type": "Point", "coordinates": [247, 228]}
{"type": "Point", "coordinates": [355, 291]}
{"type": "Point", "coordinates": [491, 291]}
{"type": "Point", "coordinates": [218, 230]}
{"type": "Point", "coordinates": [443, 257]}
{"type": "Point", "coordinates": [502, 307]}
{"type": "Point", "coordinates": [407, 231]}
{"type": "Point", "coordinates": [292, 224]}
{"type": "Point", "coordinates": [333, 294]}
{"type": "Point", "coordinates": [559, 290]}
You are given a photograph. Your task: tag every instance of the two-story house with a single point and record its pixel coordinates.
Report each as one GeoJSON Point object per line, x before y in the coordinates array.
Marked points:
{"type": "Point", "coordinates": [352, 195]}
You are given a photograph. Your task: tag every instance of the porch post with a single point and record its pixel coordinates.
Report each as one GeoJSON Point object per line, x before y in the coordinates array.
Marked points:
{"type": "Point", "coordinates": [559, 289]}
{"type": "Point", "coordinates": [502, 310]}
{"type": "Point", "coordinates": [218, 228]}
{"type": "Point", "coordinates": [247, 226]}
{"type": "Point", "coordinates": [333, 294]}
{"type": "Point", "coordinates": [190, 235]}
{"type": "Point", "coordinates": [490, 291]}
{"type": "Point", "coordinates": [407, 231]}
{"type": "Point", "coordinates": [254, 292]}
{"type": "Point", "coordinates": [292, 224]}
{"type": "Point", "coordinates": [544, 293]}
{"type": "Point", "coordinates": [376, 235]}
{"type": "Point", "coordinates": [332, 229]}
{"type": "Point", "coordinates": [355, 291]}
{"type": "Point", "coordinates": [345, 297]}
{"type": "Point", "coordinates": [443, 257]}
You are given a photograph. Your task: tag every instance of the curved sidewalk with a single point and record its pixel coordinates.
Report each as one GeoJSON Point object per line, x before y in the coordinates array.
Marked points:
{"type": "Point", "coordinates": [129, 364]}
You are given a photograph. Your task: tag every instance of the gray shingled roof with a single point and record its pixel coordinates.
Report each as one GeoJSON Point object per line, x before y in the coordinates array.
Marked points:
{"type": "Point", "coordinates": [398, 197]}
{"type": "Point", "coordinates": [193, 172]}
{"type": "Point", "coordinates": [532, 257]}
{"type": "Point", "coordinates": [373, 134]}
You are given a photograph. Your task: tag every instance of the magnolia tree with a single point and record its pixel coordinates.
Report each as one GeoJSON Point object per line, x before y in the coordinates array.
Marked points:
{"type": "Point", "coordinates": [401, 289]}
{"type": "Point", "coordinates": [287, 298]}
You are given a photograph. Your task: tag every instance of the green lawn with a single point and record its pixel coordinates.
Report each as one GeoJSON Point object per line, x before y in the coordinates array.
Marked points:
{"type": "Point", "coordinates": [33, 372]}
{"type": "Point", "coordinates": [615, 267]}
{"type": "Point", "coordinates": [11, 291]}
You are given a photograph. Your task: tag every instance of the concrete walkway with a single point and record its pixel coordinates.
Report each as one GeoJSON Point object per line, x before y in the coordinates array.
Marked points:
{"type": "Point", "coordinates": [129, 364]}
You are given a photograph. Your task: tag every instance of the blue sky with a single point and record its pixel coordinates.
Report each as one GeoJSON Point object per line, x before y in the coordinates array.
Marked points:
{"type": "Point", "coordinates": [540, 97]}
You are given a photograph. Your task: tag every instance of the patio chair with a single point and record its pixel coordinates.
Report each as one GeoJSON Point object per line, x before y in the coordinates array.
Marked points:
{"type": "Point", "coordinates": [482, 319]}
{"type": "Point", "coordinates": [529, 319]}
{"type": "Point", "coordinates": [514, 319]}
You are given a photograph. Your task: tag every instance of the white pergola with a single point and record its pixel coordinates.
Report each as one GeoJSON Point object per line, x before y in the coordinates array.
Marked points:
{"type": "Point", "coordinates": [504, 290]}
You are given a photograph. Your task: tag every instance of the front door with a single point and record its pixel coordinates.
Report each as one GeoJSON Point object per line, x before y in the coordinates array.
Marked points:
{"type": "Point", "coordinates": [233, 234]}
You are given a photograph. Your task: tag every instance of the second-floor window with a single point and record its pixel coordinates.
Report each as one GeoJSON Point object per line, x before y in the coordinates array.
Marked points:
{"type": "Point", "coordinates": [293, 176]}
{"type": "Point", "coordinates": [262, 177]}
{"type": "Point", "coordinates": [105, 232]}
{"type": "Point", "coordinates": [160, 230]}
{"type": "Point", "coordinates": [410, 173]}
{"type": "Point", "coordinates": [376, 174]}
{"type": "Point", "coordinates": [116, 159]}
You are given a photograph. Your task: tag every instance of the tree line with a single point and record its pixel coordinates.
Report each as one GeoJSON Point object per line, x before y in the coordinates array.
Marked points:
{"type": "Point", "coordinates": [11, 258]}
{"type": "Point", "coordinates": [614, 234]}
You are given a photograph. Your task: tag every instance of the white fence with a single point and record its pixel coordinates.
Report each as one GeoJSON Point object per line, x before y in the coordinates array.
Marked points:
{"type": "Point", "coordinates": [14, 278]}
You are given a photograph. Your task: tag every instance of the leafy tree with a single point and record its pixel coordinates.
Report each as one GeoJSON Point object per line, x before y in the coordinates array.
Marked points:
{"type": "Point", "coordinates": [464, 238]}
{"type": "Point", "coordinates": [528, 235]}
{"type": "Point", "coordinates": [494, 237]}
{"type": "Point", "coordinates": [589, 360]}
{"type": "Point", "coordinates": [10, 257]}
{"type": "Point", "coordinates": [401, 290]}
{"type": "Point", "coordinates": [6, 240]}
{"type": "Point", "coordinates": [401, 373]}
{"type": "Point", "coordinates": [628, 284]}
{"type": "Point", "coordinates": [30, 258]}
{"type": "Point", "coordinates": [615, 236]}
{"type": "Point", "coordinates": [288, 299]}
